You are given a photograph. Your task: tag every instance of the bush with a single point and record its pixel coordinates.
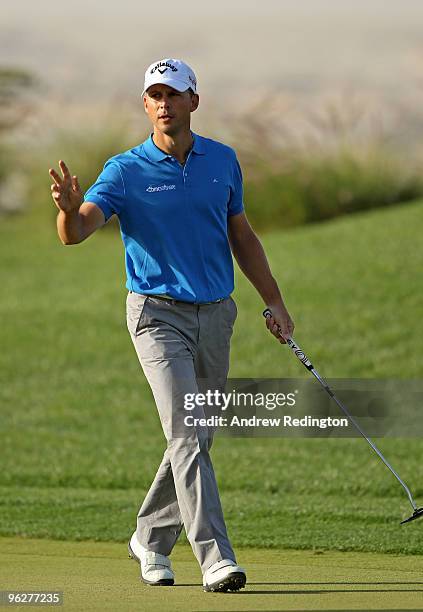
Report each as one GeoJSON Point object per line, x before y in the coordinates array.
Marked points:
{"type": "Point", "coordinates": [322, 186]}
{"type": "Point", "coordinates": [286, 184]}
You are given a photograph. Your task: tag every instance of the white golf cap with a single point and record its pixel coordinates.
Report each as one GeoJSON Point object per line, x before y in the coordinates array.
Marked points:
{"type": "Point", "coordinates": [171, 72]}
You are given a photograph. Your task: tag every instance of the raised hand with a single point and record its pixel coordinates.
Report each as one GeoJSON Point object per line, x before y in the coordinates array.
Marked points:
{"type": "Point", "coordinates": [66, 192]}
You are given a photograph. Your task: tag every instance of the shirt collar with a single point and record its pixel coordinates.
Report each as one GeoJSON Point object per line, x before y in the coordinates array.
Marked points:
{"type": "Point", "coordinates": [155, 154]}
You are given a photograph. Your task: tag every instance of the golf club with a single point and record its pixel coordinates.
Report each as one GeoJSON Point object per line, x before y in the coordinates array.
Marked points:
{"type": "Point", "coordinates": [417, 512]}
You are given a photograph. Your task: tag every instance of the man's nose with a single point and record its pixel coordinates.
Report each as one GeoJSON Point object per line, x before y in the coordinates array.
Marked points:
{"type": "Point", "coordinates": [164, 102]}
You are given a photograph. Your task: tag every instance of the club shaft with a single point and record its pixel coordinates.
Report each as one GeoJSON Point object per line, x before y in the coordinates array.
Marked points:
{"type": "Point", "coordinates": [307, 364]}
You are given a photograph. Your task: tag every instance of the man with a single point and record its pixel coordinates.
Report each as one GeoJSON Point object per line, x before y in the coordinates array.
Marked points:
{"type": "Point", "coordinates": [178, 197]}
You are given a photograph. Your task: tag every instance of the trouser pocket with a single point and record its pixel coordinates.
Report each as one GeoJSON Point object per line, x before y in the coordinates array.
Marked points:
{"type": "Point", "coordinates": [135, 310]}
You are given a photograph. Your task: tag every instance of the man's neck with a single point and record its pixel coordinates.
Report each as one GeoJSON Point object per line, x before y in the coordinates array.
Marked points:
{"type": "Point", "coordinates": [178, 145]}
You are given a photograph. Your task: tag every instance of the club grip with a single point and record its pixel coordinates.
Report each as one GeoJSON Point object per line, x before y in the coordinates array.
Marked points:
{"type": "Point", "coordinates": [267, 313]}
{"type": "Point", "coordinates": [292, 345]}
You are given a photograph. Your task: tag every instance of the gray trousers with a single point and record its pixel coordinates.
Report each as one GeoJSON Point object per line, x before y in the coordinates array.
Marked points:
{"type": "Point", "coordinates": [183, 348]}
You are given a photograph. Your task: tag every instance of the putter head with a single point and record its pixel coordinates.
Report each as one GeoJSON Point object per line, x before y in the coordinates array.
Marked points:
{"type": "Point", "coordinates": [416, 514]}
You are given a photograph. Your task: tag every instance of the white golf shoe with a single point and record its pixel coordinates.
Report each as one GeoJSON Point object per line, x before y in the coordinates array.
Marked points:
{"type": "Point", "coordinates": [224, 576]}
{"type": "Point", "coordinates": [156, 569]}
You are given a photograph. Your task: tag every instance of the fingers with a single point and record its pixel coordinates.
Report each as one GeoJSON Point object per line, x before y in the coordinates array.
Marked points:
{"type": "Point", "coordinates": [56, 194]}
{"type": "Point", "coordinates": [62, 185]}
{"type": "Point", "coordinates": [280, 335]}
{"type": "Point", "coordinates": [280, 332]}
{"type": "Point", "coordinates": [65, 172]}
{"type": "Point", "coordinates": [64, 169]}
{"type": "Point", "coordinates": [56, 178]}
{"type": "Point", "coordinates": [271, 324]}
{"type": "Point", "coordinates": [276, 329]}
{"type": "Point", "coordinates": [273, 327]}
{"type": "Point", "coordinates": [75, 184]}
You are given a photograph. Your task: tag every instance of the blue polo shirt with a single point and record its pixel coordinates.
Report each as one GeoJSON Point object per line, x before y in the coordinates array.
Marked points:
{"type": "Point", "coordinates": [173, 218]}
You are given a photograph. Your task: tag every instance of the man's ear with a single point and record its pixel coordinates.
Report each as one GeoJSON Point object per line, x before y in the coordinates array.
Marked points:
{"type": "Point", "coordinates": [144, 100]}
{"type": "Point", "coordinates": [195, 101]}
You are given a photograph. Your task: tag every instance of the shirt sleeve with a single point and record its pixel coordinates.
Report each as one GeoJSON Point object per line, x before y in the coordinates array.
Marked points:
{"type": "Point", "coordinates": [108, 192]}
{"type": "Point", "coordinates": [236, 202]}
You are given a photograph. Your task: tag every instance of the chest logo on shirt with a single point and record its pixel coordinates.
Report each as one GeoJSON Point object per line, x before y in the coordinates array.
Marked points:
{"type": "Point", "coordinates": [163, 187]}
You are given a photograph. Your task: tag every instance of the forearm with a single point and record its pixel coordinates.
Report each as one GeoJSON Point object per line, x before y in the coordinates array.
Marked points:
{"type": "Point", "coordinates": [69, 226]}
{"type": "Point", "coordinates": [253, 262]}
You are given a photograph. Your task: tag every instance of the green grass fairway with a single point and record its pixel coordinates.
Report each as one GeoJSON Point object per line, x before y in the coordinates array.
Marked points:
{"type": "Point", "coordinates": [80, 435]}
{"type": "Point", "coordinates": [99, 576]}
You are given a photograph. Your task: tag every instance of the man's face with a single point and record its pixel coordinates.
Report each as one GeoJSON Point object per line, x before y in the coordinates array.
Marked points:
{"type": "Point", "coordinates": [169, 110]}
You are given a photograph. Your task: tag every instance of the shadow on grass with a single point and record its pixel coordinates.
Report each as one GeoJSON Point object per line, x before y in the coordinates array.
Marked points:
{"type": "Point", "coordinates": [322, 591]}
{"type": "Point", "coordinates": [334, 583]}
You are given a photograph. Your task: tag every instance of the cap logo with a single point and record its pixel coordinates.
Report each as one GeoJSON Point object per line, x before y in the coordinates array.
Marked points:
{"type": "Point", "coordinates": [166, 66]}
